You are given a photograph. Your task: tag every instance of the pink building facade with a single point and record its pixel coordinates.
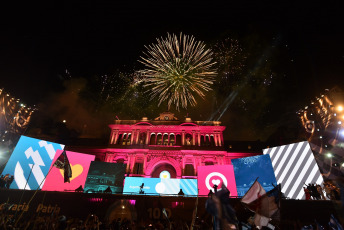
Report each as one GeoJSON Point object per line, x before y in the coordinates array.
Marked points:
{"type": "Point", "coordinates": [150, 147]}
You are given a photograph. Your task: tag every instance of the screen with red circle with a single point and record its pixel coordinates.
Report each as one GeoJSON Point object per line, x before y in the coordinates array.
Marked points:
{"type": "Point", "coordinates": [209, 176]}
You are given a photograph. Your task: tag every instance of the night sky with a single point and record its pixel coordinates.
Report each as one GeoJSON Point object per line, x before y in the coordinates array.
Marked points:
{"type": "Point", "coordinates": [304, 43]}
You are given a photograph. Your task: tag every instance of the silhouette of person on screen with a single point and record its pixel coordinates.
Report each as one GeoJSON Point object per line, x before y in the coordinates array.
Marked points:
{"type": "Point", "coordinates": [215, 188]}
{"type": "Point", "coordinates": [141, 189]}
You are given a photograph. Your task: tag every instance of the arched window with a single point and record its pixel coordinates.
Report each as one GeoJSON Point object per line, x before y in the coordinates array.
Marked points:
{"type": "Point", "coordinates": [202, 140]}
{"type": "Point", "coordinates": [172, 140]}
{"type": "Point", "coordinates": [159, 139]}
{"type": "Point", "coordinates": [142, 139]}
{"type": "Point", "coordinates": [189, 170]}
{"type": "Point", "coordinates": [165, 139]}
{"type": "Point", "coordinates": [152, 139]}
{"type": "Point", "coordinates": [118, 141]}
{"type": "Point", "coordinates": [212, 140]}
{"type": "Point", "coordinates": [207, 140]}
{"type": "Point", "coordinates": [188, 139]}
{"type": "Point", "coordinates": [128, 139]}
{"type": "Point", "coordinates": [178, 140]}
{"type": "Point", "coordinates": [124, 139]}
{"type": "Point", "coordinates": [120, 160]}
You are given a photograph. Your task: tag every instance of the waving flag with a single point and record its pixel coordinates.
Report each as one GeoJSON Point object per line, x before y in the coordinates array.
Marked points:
{"type": "Point", "coordinates": [62, 162]}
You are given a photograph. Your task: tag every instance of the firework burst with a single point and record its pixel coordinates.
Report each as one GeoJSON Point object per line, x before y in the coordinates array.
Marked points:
{"type": "Point", "coordinates": [14, 115]}
{"type": "Point", "coordinates": [177, 69]}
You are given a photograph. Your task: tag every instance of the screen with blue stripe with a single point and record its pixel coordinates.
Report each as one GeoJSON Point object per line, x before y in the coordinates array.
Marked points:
{"type": "Point", "coordinates": [159, 186]}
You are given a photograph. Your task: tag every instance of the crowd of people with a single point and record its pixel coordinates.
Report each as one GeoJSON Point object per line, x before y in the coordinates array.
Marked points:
{"type": "Point", "coordinates": [92, 222]}
{"type": "Point", "coordinates": [6, 181]}
{"type": "Point", "coordinates": [328, 192]}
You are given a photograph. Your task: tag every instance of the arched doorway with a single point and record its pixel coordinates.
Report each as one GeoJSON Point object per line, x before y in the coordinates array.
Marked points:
{"type": "Point", "coordinates": [163, 168]}
{"type": "Point", "coordinates": [121, 209]}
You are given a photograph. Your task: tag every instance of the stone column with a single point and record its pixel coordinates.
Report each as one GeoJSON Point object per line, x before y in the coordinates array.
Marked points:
{"type": "Point", "coordinates": [116, 137]}
{"type": "Point", "coordinates": [112, 136]}
{"type": "Point", "coordinates": [148, 137]}
{"type": "Point", "coordinates": [220, 139]}
{"type": "Point", "coordinates": [109, 157]}
{"type": "Point", "coordinates": [199, 138]}
{"type": "Point", "coordinates": [215, 138]}
{"type": "Point", "coordinates": [144, 164]}
{"type": "Point", "coordinates": [132, 136]}
{"type": "Point", "coordinates": [128, 164]}
{"type": "Point", "coordinates": [137, 137]}
{"type": "Point", "coordinates": [183, 138]}
{"type": "Point", "coordinates": [132, 163]}
{"type": "Point", "coordinates": [183, 165]}
{"type": "Point", "coordinates": [193, 138]}
{"type": "Point", "coordinates": [195, 165]}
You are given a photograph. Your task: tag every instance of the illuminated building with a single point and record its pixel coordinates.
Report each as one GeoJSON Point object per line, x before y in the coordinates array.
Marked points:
{"type": "Point", "coordinates": [165, 146]}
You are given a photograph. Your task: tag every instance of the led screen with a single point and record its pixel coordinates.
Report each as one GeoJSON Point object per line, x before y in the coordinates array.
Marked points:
{"type": "Point", "coordinates": [30, 162]}
{"type": "Point", "coordinates": [159, 186]}
{"type": "Point", "coordinates": [79, 162]}
{"type": "Point", "coordinates": [294, 166]}
{"type": "Point", "coordinates": [248, 169]}
{"type": "Point", "coordinates": [105, 177]}
{"type": "Point", "coordinates": [208, 176]}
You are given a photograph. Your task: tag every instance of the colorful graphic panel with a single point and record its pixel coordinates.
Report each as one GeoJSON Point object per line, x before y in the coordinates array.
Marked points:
{"type": "Point", "coordinates": [79, 162]}
{"type": "Point", "coordinates": [105, 177]}
{"type": "Point", "coordinates": [159, 186]}
{"type": "Point", "coordinates": [294, 166]}
{"type": "Point", "coordinates": [248, 169]}
{"type": "Point", "coordinates": [30, 154]}
{"type": "Point", "coordinates": [208, 176]}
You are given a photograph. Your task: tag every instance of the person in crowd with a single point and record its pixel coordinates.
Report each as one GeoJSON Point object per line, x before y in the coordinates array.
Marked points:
{"type": "Point", "coordinates": [79, 189]}
{"type": "Point", "coordinates": [9, 181]}
{"type": "Point", "coordinates": [2, 181]}
{"type": "Point", "coordinates": [307, 193]}
{"type": "Point", "coordinates": [320, 191]}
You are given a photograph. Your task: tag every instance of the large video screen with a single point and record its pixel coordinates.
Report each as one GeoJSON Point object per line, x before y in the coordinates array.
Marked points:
{"type": "Point", "coordinates": [294, 166]}
{"type": "Point", "coordinates": [30, 162]}
{"type": "Point", "coordinates": [219, 175]}
{"type": "Point", "coordinates": [248, 169]}
{"type": "Point", "coordinates": [105, 177]}
{"type": "Point", "coordinates": [159, 186]}
{"type": "Point", "coordinates": [80, 164]}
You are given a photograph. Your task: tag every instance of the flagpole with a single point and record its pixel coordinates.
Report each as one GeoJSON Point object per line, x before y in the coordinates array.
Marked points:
{"type": "Point", "coordinates": [27, 181]}
{"type": "Point", "coordinates": [28, 204]}
{"type": "Point", "coordinates": [194, 214]}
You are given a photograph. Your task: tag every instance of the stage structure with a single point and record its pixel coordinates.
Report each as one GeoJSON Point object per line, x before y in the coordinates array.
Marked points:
{"type": "Point", "coordinates": [165, 147]}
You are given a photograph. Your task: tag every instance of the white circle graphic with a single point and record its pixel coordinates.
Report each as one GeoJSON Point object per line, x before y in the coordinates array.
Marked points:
{"type": "Point", "coordinates": [160, 187]}
{"type": "Point", "coordinates": [207, 179]}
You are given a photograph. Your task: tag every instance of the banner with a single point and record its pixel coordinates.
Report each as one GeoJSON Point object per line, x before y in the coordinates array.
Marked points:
{"type": "Point", "coordinates": [294, 166]}
{"type": "Point", "coordinates": [208, 176]}
{"type": "Point", "coordinates": [105, 177]}
{"type": "Point", "coordinates": [159, 186]}
{"type": "Point", "coordinates": [80, 164]}
{"type": "Point", "coordinates": [30, 157]}
{"type": "Point", "coordinates": [248, 169]}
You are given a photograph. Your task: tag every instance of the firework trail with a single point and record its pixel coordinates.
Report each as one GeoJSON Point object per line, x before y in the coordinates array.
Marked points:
{"type": "Point", "coordinates": [323, 121]}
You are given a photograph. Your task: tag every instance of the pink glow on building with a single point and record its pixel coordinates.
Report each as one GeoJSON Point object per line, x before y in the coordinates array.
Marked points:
{"type": "Point", "coordinates": [166, 143]}
{"type": "Point", "coordinates": [132, 202]}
